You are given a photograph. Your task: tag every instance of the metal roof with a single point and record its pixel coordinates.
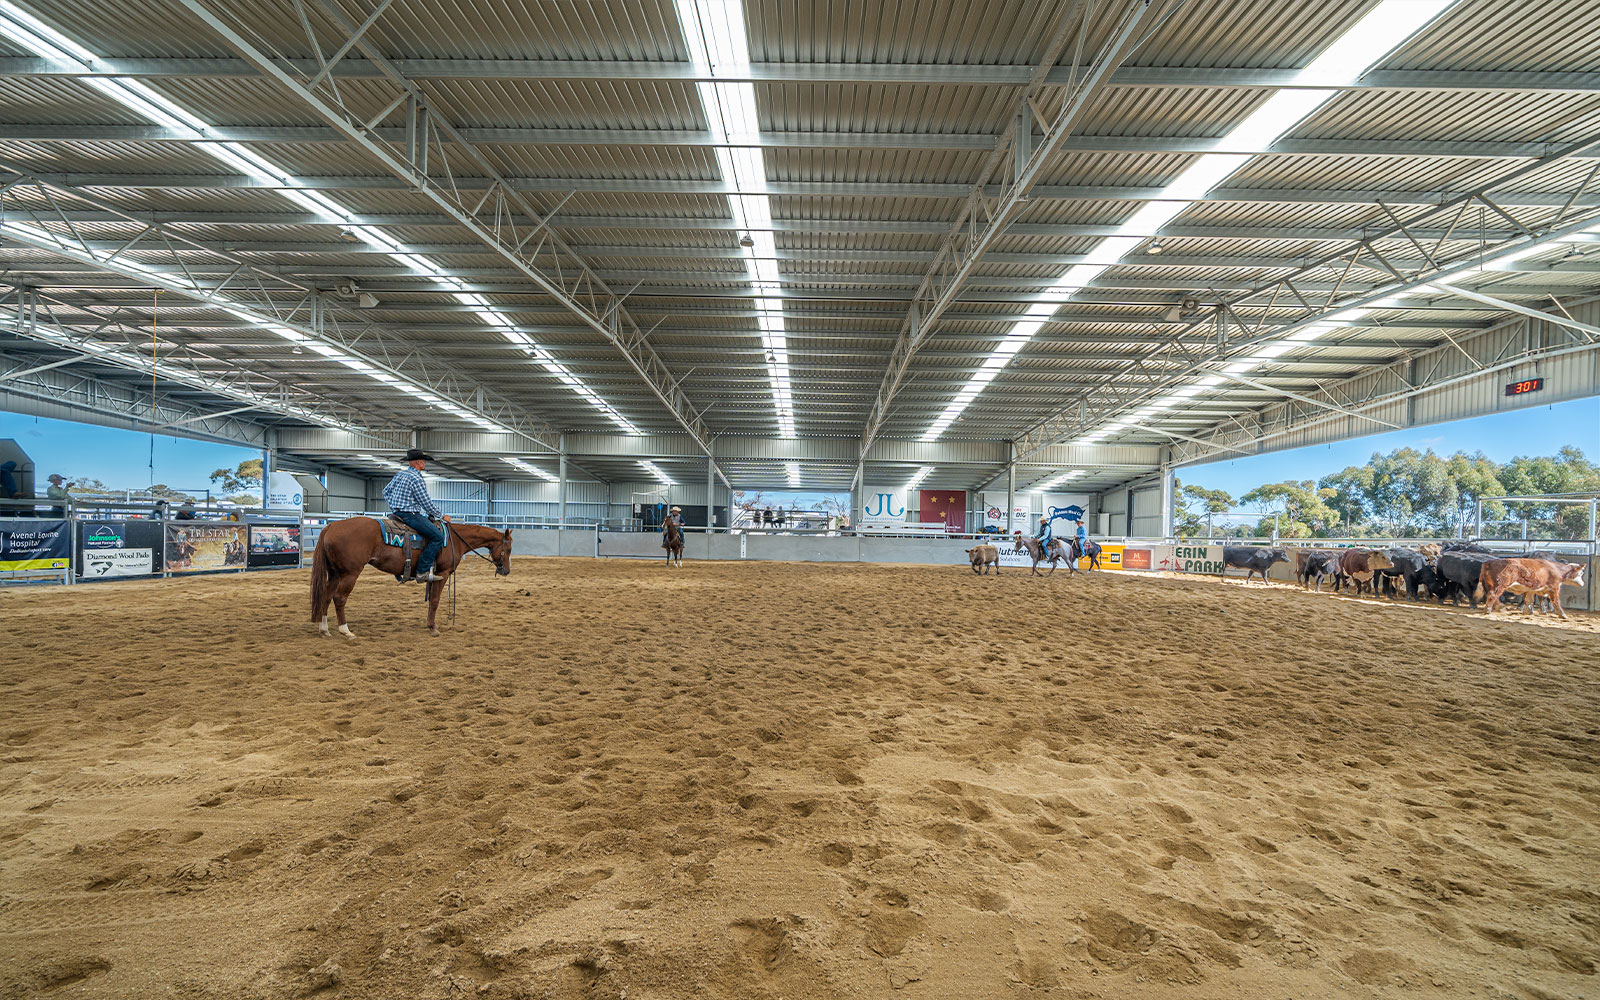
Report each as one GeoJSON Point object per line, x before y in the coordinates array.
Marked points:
{"type": "Point", "coordinates": [876, 120]}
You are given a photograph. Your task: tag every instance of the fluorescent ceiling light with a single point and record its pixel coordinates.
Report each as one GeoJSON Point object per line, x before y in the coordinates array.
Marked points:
{"type": "Point", "coordinates": [917, 478]}
{"type": "Point", "coordinates": [1378, 33]}
{"type": "Point", "coordinates": [533, 470]}
{"type": "Point", "coordinates": [1058, 480]}
{"type": "Point", "coordinates": [45, 41]}
{"type": "Point", "coordinates": [714, 35]}
{"type": "Point", "coordinates": [655, 470]}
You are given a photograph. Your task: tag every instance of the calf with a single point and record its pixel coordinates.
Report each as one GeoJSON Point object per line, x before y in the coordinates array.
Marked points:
{"type": "Point", "coordinates": [1408, 567]}
{"type": "Point", "coordinates": [1252, 559]}
{"type": "Point", "coordinates": [1319, 565]}
{"type": "Point", "coordinates": [1361, 565]}
{"type": "Point", "coordinates": [984, 556]}
{"type": "Point", "coordinates": [1314, 562]}
{"type": "Point", "coordinates": [1539, 577]}
{"type": "Point", "coordinates": [1459, 573]}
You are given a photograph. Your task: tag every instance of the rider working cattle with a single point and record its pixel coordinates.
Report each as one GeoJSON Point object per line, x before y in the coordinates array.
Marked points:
{"type": "Point", "coordinates": [407, 495]}
{"type": "Point", "coordinates": [1045, 536]}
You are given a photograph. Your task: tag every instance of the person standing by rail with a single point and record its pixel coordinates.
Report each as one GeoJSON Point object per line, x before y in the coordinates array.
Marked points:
{"type": "Point", "coordinates": [58, 492]}
{"type": "Point", "coordinates": [407, 496]}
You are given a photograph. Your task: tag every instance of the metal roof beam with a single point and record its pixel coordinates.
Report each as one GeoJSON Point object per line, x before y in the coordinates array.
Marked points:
{"type": "Point", "coordinates": [919, 74]}
{"type": "Point", "coordinates": [253, 293]}
{"type": "Point", "coordinates": [566, 277]}
{"type": "Point", "coordinates": [962, 250]}
{"type": "Point", "coordinates": [1083, 412]}
{"type": "Point", "coordinates": [495, 185]}
{"type": "Point", "coordinates": [796, 139]}
{"type": "Point", "coordinates": [822, 227]}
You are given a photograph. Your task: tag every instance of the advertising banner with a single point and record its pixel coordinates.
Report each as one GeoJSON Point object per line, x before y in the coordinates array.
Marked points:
{"type": "Point", "coordinates": [283, 491]}
{"type": "Point", "coordinates": [196, 546]}
{"type": "Point", "coordinates": [886, 509]}
{"type": "Point", "coordinates": [118, 548]}
{"type": "Point", "coordinates": [1205, 559]}
{"type": "Point", "coordinates": [1110, 558]}
{"type": "Point", "coordinates": [949, 506]}
{"type": "Point", "coordinates": [274, 545]}
{"type": "Point", "coordinates": [34, 543]}
{"type": "Point", "coordinates": [104, 564]}
{"type": "Point", "coordinates": [1141, 558]}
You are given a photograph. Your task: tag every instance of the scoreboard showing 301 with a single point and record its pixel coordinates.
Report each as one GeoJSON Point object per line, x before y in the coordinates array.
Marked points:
{"type": "Point", "coordinates": [1524, 387]}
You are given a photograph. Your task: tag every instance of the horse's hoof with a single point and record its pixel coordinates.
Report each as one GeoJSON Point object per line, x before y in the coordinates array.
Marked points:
{"type": "Point", "coordinates": [433, 631]}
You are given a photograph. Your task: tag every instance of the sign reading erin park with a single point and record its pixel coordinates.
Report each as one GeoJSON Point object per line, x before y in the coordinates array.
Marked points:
{"type": "Point", "coordinates": [1197, 559]}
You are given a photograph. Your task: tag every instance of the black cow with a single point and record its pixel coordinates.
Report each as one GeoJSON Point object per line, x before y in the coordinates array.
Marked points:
{"type": "Point", "coordinates": [1252, 559]}
{"type": "Point", "coordinates": [1463, 547]}
{"type": "Point", "coordinates": [1318, 565]}
{"type": "Point", "coordinates": [1459, 573]}
{"type": "Point", "coordinates": [1411, 567]}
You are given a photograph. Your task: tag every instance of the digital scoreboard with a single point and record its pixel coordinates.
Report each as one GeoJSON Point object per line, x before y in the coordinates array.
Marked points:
{"type": "Point", "coordinates": [1524, 387]}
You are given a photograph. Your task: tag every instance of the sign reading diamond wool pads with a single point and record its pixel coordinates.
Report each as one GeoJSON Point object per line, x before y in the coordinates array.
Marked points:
{"type": "Point", "coordinates": [118, 548]}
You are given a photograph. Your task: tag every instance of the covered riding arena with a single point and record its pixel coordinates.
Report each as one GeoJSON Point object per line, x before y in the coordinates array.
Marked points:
{"type": "Point", "coordinates": [963, 263]}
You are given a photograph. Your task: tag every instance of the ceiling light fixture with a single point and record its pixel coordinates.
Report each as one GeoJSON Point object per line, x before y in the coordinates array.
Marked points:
{"type": "Point", "coordinates": [714, 35]}
{"type": "Point", "coordinates": [1383, 29]}
{"type": "Point", "coordinates": [41, 39]}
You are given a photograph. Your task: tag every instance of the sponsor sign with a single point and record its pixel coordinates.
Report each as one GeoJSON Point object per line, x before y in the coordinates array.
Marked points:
{"type": "Point", "coordinates": [283, 490]}
{"type": "Point", "coordinates": [886, 509]}
{"type": "Point", "coordinates": [102, 564]}
{"type": "Point", "coordinates": [1110, 558]}
{"type": "Point", "coordinates": [274, 545]}
{"type": "Point", "coordinates": [103, 534]}
{"type": "Point", "coordinates": [195, 546]}
{"type": "Point", "coordinates": [34, 543]}
{"type": "Point", "coordinates": [1195, 559]}
{"type": "Point", "coordinates": [1137, 559]}
{"type": "Point", "coordinates": [949, 506]}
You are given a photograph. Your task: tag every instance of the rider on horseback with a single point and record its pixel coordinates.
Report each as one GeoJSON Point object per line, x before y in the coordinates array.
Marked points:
{"type": "Point", "coordinates": [1045, 537]}
{"type": "Point", "coordinates": [1083, 538]}
{"type": "Point", "coordinates": [666, 535]}
{"type": "Point", "coordinates": [407, 495]}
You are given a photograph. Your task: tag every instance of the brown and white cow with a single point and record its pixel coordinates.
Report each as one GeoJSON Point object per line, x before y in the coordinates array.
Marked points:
{"type": "Point", "coordinates": [1360, 565]}
{"type": "Point", "coordinates": [984, 556]}
{"type": "Point", "coordinates": [1530, 578]}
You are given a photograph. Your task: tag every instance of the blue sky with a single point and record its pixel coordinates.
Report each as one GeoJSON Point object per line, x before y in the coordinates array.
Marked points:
{"type": "Point", "coordinates": [123, 458]}
{"type": "Point", "coordinates": [1538, 430]}
{"type": "Point", "coordinates": [120, 459]}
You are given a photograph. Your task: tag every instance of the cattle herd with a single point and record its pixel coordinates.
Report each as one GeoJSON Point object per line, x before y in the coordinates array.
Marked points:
{"type": "Point", "coordinates": [1444, 572]}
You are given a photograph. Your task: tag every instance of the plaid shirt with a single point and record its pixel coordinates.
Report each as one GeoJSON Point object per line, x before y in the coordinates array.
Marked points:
{"type": "Point", "coordinates": [407, 492]}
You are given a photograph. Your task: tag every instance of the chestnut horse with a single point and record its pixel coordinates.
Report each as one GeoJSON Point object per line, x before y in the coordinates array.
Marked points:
{"type": "Point", "coordinates": [347, 547]}
{"type": "Point", "coordinates": [673, 542]}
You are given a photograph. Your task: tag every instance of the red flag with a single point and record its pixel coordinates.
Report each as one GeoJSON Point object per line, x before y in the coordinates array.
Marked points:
{"type": "Point", "coordinates": [949, 506]}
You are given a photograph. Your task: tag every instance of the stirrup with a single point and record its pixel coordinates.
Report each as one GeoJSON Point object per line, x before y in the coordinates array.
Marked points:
{"type": "Point", "coordinates": [429, 577]}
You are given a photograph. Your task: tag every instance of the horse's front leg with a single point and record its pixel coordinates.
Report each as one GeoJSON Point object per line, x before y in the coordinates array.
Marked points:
{"type": "Point", "coordinates": [435, 591]}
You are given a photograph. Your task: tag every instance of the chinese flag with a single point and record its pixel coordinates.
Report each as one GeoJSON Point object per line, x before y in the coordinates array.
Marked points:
{"type": "Point", "coordinates": [949, 506]}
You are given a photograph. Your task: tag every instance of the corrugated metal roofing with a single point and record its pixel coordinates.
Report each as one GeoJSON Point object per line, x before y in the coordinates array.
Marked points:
{"type": "Point", "coordinates": [848, 257]}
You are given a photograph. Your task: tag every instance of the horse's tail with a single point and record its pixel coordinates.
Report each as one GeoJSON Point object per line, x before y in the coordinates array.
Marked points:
{"type": "Point", "coordinates": [321, 577]}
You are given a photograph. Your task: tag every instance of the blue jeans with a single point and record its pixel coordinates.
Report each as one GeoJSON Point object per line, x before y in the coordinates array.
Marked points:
{"type": "Point", "coordinates": [419, 523]}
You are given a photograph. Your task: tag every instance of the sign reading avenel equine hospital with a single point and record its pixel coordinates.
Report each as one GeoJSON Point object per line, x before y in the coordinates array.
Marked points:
{"type": "Point", "coordinates": [34, 543]}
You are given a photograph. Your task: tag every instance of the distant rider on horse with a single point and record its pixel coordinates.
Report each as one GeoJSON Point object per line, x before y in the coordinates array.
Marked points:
{"type": "Point", "coordinates": [666, 533]}
{"type": "Point", "coordinates": [1083, 538]}
{"type": "Point", "coordinates": [407, 495]}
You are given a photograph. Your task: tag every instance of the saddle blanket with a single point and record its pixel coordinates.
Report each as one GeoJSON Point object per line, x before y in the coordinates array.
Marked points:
{"type": "Point", "coordinates": [399, 535]}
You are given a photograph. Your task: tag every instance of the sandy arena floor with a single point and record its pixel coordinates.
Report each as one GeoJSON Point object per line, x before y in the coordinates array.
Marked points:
{"type": "Point", "coordinates": [611, 780]}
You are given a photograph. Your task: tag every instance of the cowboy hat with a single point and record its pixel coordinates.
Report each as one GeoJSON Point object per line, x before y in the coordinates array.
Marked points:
{"type": "Point", "coordinates": [416, 454]}
{"type": "Point", "coordinates": [677, 508]}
